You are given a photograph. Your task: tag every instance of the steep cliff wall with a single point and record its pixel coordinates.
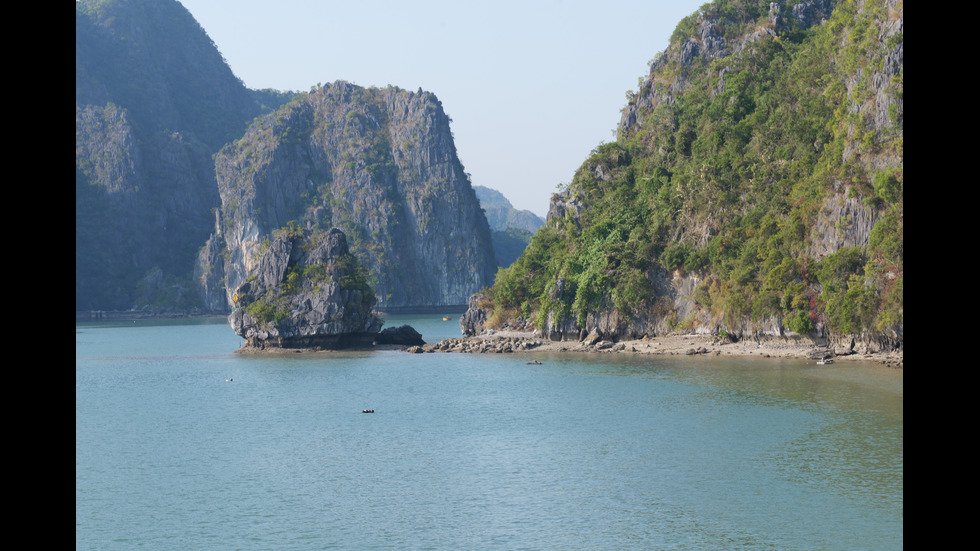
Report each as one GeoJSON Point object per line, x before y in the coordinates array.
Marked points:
{"type": "Point", "coordinates": [143, 204]}
{"type": "Point", "coordinates": [153, 101]}
{"type": "Point", "coordinates": [381, 165]}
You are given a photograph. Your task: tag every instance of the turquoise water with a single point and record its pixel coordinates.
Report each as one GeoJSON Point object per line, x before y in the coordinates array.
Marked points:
{"type": "Point", "coordinates": [474, 451]}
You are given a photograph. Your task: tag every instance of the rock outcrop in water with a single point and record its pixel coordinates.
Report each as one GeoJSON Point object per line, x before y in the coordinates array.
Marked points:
{"type": "Point", "coordinates": [307, 291]}
{"type": "Point", "coordinates": [404, 335]}
{"type": "Point", "coordinates": [473, 321]}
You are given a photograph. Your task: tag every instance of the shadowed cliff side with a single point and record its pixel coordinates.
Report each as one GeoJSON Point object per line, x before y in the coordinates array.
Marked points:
{"type": "Point", "coordinates": [153, 101]}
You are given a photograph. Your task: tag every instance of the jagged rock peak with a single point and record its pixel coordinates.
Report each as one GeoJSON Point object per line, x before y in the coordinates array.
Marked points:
{"type": "Point", "coordinates": [307, 291]}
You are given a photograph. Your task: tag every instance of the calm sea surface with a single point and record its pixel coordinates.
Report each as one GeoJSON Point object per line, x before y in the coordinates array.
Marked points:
{"type": "Point", "coordinates": [181, 444]}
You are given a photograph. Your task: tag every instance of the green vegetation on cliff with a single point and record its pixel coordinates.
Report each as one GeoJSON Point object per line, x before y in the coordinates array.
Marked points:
{"type": "Point", "coordinates": [301, 277]}
{"type": "Point", "coordinates": [768, 163]}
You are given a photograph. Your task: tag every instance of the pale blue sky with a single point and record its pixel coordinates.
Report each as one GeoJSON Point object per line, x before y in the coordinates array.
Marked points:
{"type": "Point", "coordinates": [531, 86]}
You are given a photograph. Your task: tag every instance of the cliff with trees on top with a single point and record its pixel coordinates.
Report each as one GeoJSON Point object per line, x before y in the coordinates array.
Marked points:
{"type": "Point", "coordinates": [755, 189]}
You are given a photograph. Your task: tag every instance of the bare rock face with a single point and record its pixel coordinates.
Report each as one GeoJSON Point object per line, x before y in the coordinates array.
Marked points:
{"type": "Point", "coordinates": [381, 165]}
{"type": "Point", "coordinates": [472, 321]}
{"type": "Point", "coordinates": [841, 222]}
{"type": "Point", "coordinates": [307, 291]}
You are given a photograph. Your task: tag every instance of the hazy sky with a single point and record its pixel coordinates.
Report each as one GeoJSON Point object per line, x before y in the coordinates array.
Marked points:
{"type": "Point", "coordinates": [532, 86]}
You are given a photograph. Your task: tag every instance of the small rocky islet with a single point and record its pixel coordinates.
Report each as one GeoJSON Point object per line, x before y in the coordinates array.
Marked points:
{"type": "Point", "coordinates": [308, 292]}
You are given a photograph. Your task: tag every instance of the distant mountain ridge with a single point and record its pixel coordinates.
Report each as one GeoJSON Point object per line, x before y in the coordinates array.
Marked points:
{"type": "Point", "coordinates": [502, 215]}
{"type": "Point", "coordinates": [511, 228]}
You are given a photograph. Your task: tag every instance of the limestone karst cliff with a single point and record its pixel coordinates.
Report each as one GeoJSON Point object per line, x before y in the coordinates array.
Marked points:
{"type": "Point", "coordinates": [755, 189]}
{"type": "Point", "coordinates": [381, 165]}
{"type": "Point", "coordinates": [154, 230]}
{"type": "Point", "coordinates": [153, 101]}
{"type": "Point", "coordinates": [306, 291]}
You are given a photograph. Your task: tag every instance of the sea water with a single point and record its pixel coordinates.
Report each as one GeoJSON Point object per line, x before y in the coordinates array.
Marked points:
{"type": "Point", "coordinates": [181, 443]}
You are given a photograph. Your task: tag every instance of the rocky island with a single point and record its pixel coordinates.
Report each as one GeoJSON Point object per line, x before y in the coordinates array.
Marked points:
{"type": "Point", "coordinates": [183, 173]}
{"type": "Point", "coordinates": [307, 292]}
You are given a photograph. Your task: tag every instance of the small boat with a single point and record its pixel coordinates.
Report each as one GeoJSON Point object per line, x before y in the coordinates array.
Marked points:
{"type": "Point", "coordinates": [825, 361]}
{"type": "Point", "coordinates": [446, 318]}
{"type": "Point", "coordinates": [367, 411]}
{"type": "Point", "coordinates": [534, 362]}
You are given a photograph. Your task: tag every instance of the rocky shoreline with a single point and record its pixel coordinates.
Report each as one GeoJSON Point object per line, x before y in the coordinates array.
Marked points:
{"type": "Point", "coordinates": [670, 345]}
{"type": "Point", "coordinates": [506, 342]}
{"type": "Point", "coordinates": [511, 342]}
